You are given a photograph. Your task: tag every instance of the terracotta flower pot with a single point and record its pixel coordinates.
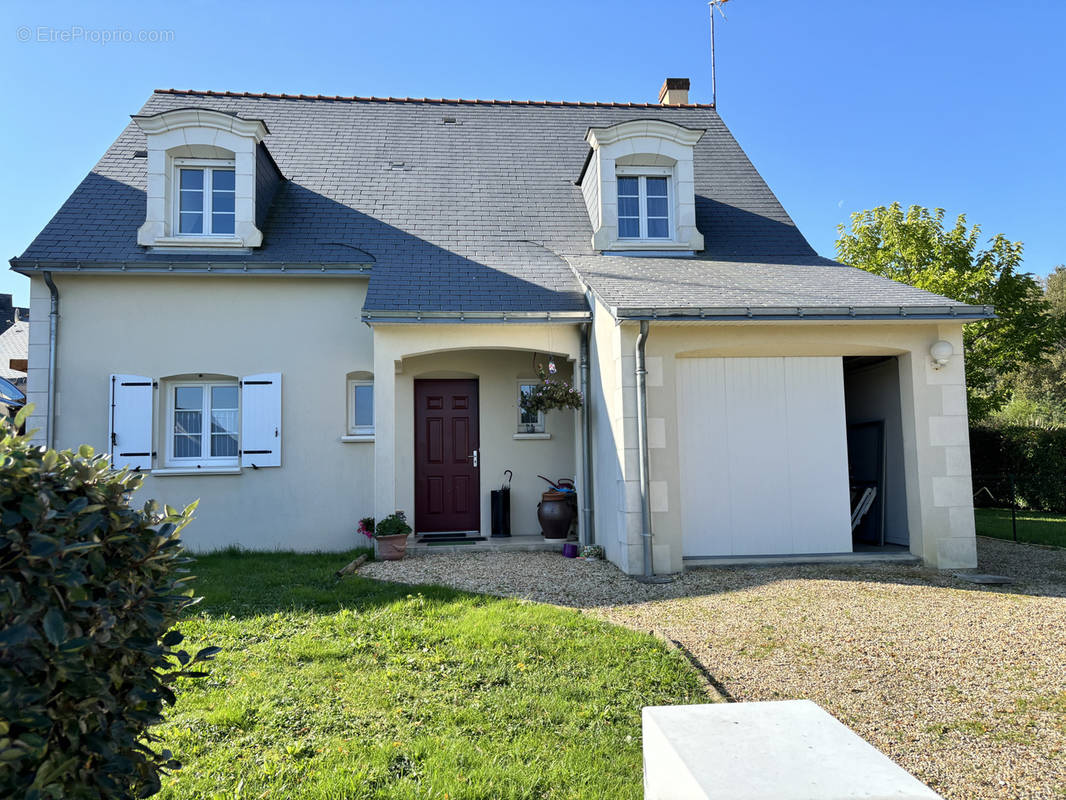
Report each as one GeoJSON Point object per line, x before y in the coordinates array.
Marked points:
{"type": "Point", "coordinates": [391, 548]}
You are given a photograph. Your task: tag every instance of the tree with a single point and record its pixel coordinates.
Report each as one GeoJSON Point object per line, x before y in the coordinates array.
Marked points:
{"type": "Point", "coordinates": [916, 248]}
{"type": "Point", "coordinates": [1056, 290]}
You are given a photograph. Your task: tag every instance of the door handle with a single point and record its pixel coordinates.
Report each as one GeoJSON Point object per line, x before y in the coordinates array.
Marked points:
{"type": "Point", "coordinates": [474, 457]}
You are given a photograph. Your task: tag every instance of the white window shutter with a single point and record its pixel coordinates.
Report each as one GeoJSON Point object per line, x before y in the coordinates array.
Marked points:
{"type": "Point", "coordinates": [261, 420]}
{"type": "Point", "coordinates": [130, 422]}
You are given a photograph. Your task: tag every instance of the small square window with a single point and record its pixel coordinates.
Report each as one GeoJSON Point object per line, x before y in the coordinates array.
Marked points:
{"type": "Point", "coordinates": [644, 207]}
{"type": "Point", "coordinates": [203, 422]}
{"type": "Point", "coordinates": [207, 198]}
{"type": "Point", "coordinates": [527, 422]}
{"type": "Point", "coordinates": [361, 408]}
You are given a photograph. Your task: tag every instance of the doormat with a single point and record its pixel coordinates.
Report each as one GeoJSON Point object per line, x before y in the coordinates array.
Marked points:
{"type": "Point", "coordinates": [450, 539]}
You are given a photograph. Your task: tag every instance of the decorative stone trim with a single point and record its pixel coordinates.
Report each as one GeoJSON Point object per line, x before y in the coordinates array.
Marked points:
{"type": "Point", "coordinates": [657, 144]}
{"type": "Point", "coordinates": [199, 133]}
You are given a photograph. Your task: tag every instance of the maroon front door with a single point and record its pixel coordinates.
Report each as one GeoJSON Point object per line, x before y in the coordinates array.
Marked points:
{"type": "Point", "coordinates": [447, 489]}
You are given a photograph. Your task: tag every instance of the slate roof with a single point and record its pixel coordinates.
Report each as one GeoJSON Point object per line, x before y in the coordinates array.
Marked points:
{"type": "Point", "coordinates": [807, 286]}
{"type": "Point", "coordinates": [465, 206]}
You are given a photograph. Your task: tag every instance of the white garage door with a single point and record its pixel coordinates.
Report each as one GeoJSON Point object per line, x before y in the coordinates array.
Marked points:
{"type": "Point", "coordinates": [764, 457]}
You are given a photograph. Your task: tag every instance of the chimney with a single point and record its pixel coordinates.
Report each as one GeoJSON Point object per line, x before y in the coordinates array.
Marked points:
{"type": "Point", "coordinates": [674, 92]}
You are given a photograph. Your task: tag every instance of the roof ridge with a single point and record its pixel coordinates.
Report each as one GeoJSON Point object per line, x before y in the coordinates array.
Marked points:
{"type": "Point", "coordinates": [438, 101]}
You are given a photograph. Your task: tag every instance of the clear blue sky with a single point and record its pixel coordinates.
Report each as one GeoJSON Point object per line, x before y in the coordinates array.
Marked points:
{"type": "Point", "coordinates": [842, 105]}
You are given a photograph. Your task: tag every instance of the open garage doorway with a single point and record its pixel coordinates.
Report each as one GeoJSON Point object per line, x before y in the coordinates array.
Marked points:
{"type": "Point", "coordinates": [875, 452]}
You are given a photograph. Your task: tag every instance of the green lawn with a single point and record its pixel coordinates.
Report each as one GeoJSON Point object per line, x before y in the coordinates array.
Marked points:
{"type": "Point", "coordinates": [1033, 526]}
{"type": "Point", "coordinates": [360, 689]}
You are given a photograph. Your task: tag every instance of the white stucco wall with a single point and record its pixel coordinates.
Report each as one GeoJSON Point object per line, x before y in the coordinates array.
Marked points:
{"type": "Point", "coordinates": [307, 329]}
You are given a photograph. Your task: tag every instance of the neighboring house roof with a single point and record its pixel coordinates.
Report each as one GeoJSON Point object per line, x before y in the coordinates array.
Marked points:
{"type": "Point", "coordinates": [462, 206]}
{"type": "Point", "coordinates": [14, 343]}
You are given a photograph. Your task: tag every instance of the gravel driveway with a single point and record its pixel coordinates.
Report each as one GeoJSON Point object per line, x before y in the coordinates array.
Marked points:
{"type": "Point", "coordinates": [963, 685]}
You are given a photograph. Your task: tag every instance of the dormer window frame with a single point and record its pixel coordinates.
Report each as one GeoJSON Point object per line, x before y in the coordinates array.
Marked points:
{"type": "Point", "coordinates": [199, 135]}
{"type": "Point", "coordinates": [641, 174]}
{"type": "Point", "coordinates": [208, 166]}
{"type": "Point", "coordinates": [642, 147]}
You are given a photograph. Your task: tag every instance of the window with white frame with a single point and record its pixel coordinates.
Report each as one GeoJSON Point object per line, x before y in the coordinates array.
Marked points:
{"type": "Point", "coordinates": [203, 420]}
{"type": "Point", "coordinates": [206, 203]}
{"type": "Point", "coordinates": [644, 206]}
{"type": "Point", "coordinates": [361, 407]}
{"type": "Point", "coordinates": [528, 422]}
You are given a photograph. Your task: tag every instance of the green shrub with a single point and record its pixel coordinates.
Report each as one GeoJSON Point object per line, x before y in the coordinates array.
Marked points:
{"type": "Point", "coordinates": [89, 590]}
{"type": "Point", "coordinates": [1031, 462]}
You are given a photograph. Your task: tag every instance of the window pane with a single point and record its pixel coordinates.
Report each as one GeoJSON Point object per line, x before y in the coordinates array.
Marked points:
{"type": "Point", "coordinates": [364, 406]}
{"type": "Point", "coordinates": [658, 229]}
{"type": "Point", "coordinates": [629, 228]}
{"type": "Point", "coordinates": [222, 179]}
{"type": "Point", "coordinates": [656, 187]}
{"type": "Point", "coordinates": [657, 207]}
{"type": "Point", "coordinates": [526, 417]}
{"type": "Point", "coordinates": [222, 223]}
{"type": "Point", "coordinates": [223, 397]}
{"type": "Point", "coordinates": [222, 201]}
{"type": "Point", "coordinates": [628, 186]}
{"type": "Point", "coordinates": [192, 200]}
{"type": "Point", "coordinates": [628, 207]}
{"type": "Point", "coordinates": [192, 223]}
{"type": "Point", "coordinates": [223, 445]}
{"type": "Point", "coordinates": [189, 397]}
{"type": "Point", "coordinates": [186, 446]}
{"type": "Point", "coordinates": [192, 179]}
{"type": "Point", "coordinates": [188, 422]}
{"type": "Point", "coordinates": [223, 422]}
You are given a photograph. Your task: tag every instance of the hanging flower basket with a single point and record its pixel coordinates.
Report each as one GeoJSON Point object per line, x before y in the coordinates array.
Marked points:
{"type": "Point", "coordinates": [551, 393]}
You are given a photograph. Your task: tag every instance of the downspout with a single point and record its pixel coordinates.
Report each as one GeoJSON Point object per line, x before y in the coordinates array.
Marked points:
{"type": "Point", "coordinates": [53, 340]}
{"type": "Point", "coordinates": [642, 449]}
{"type": "Point", "coordinates": [588, 535]}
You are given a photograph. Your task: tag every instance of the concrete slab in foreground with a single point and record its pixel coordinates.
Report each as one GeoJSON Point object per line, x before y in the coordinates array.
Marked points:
{"type": "Point", "coordinates": [789, 750]}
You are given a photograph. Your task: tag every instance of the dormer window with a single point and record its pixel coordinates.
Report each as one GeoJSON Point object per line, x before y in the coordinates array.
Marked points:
{"type": "Point", "coordinates": [202, 184]}
{"type": "Point", "coordinates": [639, 187]}
{"type": "Point", "coordinates": [644, 206]}
{"type": "Point", "coordinates": [207, 198]}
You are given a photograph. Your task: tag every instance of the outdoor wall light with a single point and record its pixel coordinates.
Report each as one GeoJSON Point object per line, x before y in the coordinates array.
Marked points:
{"type": "Point", "coordinates": [941, 352]}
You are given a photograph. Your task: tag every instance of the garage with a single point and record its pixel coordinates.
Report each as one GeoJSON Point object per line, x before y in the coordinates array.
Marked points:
{"type": "Point", "coordinates": [763, 456]}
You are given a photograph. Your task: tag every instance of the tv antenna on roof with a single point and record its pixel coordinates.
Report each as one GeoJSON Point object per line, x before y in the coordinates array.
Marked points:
{"type": "Point", "coordinates": [711, 7]}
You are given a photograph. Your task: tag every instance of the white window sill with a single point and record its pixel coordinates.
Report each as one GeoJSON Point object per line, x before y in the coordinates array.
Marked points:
{"type": "Point", "coordinates": [648, 244]}
{"type": "Point", "coordinates": [361, 437]}
{"type": "Point", "coordinates": [199, 241]}
{"type": "Point", "coordinates": [531, 437]}
{"type": "Point", "coordinates": [167, 471]}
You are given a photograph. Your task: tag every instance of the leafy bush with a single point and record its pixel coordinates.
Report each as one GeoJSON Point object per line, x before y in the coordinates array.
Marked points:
{"type": "Point", "coordinates": [89, 590]}
{"type": "Point", "coordinates": [1029, 463]}
{"type": "Point", "coordinates": [393, 525]}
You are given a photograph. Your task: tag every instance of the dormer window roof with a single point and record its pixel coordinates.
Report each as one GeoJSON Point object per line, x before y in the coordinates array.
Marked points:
{"type": "Point", "coordinates": [639, 187]}
{"type": "Point", "coordinates": [201, 179]}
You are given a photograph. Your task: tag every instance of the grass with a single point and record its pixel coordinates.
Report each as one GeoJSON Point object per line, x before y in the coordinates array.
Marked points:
{"type": "Point", "coordinates": [1033, 526]}
{"type": "Point", "coordinates": [360, 689]}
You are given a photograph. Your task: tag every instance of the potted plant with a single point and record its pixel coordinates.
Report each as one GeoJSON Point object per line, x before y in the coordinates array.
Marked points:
{"type": "Point", "coordinates": [391, 534]}
{"type": "Point", "coordinates": [551, 393]}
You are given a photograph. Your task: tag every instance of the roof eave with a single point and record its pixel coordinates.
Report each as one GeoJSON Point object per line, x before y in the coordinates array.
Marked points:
{"type": "Point", "coordinates": [954, 313]}
{"type": "Point", "coordinates": [29, 267]}
{"type": "Point", "coordinates": [372, 317]}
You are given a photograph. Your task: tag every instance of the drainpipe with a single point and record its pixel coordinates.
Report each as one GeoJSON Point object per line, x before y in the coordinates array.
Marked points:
{"type": "Point", "coordinates": [642, 444]}
{"type": "Point", "coordinates": [53, 339]}
{"type": "Point", "coordinates": [588, 536]}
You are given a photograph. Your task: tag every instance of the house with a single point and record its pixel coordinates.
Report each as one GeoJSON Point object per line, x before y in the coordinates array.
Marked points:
{"type": "Point", "coordinates": [10, 313]}
{"type": "Point", "coordinates": [303, 310]}
{"type": "Point", "coordinates": [14, 345]}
